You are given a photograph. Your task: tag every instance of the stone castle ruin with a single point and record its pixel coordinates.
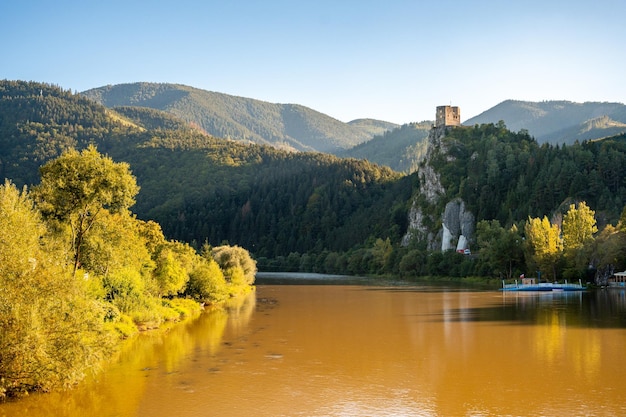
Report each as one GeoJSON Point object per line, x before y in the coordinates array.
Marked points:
{"type": "Point", "coordinates": [447, 116]}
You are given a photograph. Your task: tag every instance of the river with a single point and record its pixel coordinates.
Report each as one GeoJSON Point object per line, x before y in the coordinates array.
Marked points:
{"type": "Point", "coordinates": [368, 350]}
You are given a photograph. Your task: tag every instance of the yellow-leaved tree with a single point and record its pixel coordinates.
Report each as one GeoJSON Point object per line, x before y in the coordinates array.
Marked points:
{"type": "Point", "coordinates": [238, 266]}
{"type": "Point", "coordinates": [77, 189]}
{"type": "Point", "coordinates": [579, 228]}
{"type": "Point", "coordinates": [544, 242]}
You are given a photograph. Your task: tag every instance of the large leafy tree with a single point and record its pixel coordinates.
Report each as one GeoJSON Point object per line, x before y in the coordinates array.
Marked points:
{"type": "Point", "coordinates": [239, 268]}
{"type": "Point", "coordinates": [78, 187]}
{"type": "Point", "coordinates": [500, 248]}
{"type": "Point", "coordinates": [174, 261]}
{"type": "Point", "coordinates": [206, 281]}
{"type": "Point", "coordinates": [579, 226]}
{"type": "Point", "coordinates": [578, 229]}
{"type": "Point", "coordinates": [545, 243]}
{"type": "Point", "coordinates": [609, 248]}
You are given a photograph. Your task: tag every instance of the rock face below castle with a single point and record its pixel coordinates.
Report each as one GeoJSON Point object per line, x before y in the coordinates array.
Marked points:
{"type": "Point", "coordinates": [457, 223]}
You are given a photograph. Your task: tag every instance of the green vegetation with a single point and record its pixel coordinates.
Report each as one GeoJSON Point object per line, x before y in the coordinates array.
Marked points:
{"type": "Point", "coordinates": [402, 149]}
{"type": "Point", "coordinates": [373, 127]}
{"type": "Point", "coordinates": [52, 331]}
{"type": "Point", "coordinates": [77, 188]}
{"type": "Point", "coordinates": [317, 212]}
{"type": "Point", "coordinates": [78, 270]}
{"type": "Point", "coordinates": [545, 242]}
{"type": "Point", "coordinates": [507, 176]}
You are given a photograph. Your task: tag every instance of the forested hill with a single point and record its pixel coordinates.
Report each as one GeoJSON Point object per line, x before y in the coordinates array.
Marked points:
{"type": "Point", "coordinates": [277, 203]}
{"type": "Point", "coordinates": [402, 149]}
{"type": "Point", "coordinates": [558, 122]}
{"type": "Point", "coordinates": [372, 126]}
{"type": "Point", "coordinates": [286, 126]}
{"type": "Point", "coordinates": [508, 176]}
{"type": "Point", "coordinates": [199, 187]}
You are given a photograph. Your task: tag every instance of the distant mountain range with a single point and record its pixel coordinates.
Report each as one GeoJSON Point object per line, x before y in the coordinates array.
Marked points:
{"type": "Point", "coordinates": [558, 122]}
{"type": "Point", "coordinates": [285, 126]}
{"type": "Point", "coordinates": [299, 128]}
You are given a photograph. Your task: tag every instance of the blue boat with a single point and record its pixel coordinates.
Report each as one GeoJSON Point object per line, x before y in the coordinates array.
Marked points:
{"type": "Point", "coordinates": [531, 285]}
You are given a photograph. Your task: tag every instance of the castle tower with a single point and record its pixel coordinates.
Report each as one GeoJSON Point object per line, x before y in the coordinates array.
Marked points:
{"type": "Point", "coordinates": [448, 116]}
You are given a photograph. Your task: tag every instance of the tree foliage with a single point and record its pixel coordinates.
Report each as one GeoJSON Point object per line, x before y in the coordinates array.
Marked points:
{"type": "Point", "coordinates": [57, 324]}
{"type": "Point", "coordinates": [402, 149]}
{"type": "Point", "coordinates": [207, 282]}
{"type": "Point", "coordinates": [579, 226]}
{"type": "Point", "coordinates": [236, 263]}
{"type": "Point", "coordinates": [51, 333]}
{"type": "Point", "coordinates": [500, 248]}
{"type": "Point", "coordinates": [79, 187]}
{"type": "Point", "coordinates": [545, 243]}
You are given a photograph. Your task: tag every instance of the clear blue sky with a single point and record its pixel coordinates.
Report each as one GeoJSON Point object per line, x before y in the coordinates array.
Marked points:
{"type": "Point", "coordinates": [391, 60]}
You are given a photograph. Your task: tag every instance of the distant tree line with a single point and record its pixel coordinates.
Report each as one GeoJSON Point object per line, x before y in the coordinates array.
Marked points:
{"type": "Point", "coordinates": [572, 249]}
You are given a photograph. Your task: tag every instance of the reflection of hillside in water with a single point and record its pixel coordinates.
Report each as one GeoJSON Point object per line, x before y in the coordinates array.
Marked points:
{"type": "Point", "coordinates": [594, 309]}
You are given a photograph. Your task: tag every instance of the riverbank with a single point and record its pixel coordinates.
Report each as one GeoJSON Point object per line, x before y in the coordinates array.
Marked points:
{"type": "Point", "coordinates": [483, 283]}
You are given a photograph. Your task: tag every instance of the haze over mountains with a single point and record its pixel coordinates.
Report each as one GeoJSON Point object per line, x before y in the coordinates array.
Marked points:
{"type": "Point", "coordinates": [285, 126]}
{"type": "Point", "coordinates": [299, 128]}
{"type": "Point", "coordinates": [558, 122]}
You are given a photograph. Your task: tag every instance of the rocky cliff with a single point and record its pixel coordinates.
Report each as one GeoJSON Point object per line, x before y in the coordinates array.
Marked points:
{"type": "Point", "coordinates": [458, 226]}
{"type": "Point", "coordinates": [454, 227]}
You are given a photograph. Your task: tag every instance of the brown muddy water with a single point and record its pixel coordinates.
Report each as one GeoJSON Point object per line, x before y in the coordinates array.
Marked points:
{"type": "Point", "coordinates": [361, 350]}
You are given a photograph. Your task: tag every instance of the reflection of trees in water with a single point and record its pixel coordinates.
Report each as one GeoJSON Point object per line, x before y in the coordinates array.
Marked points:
{"type": "Point", "coordinates": [240, 311]}
{"type": "Point", "coordinates": [594, 309]}
{"type": "Point", "coordinates": [120, 388]}
{"type": "Point", "coordinates": [207, 332]}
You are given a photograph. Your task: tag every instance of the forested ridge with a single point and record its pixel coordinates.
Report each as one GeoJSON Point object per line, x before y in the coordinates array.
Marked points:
{"type": "Point", "coordinates": [525, 198]}
{"type": "Point", "coordinates": [402, 149]}
{"type": "Point", "coordinates": [313, 211]}
{"type": "Point", "coordinates": [203, 188]}
{"type": "Point", "coordinates": [507, 176]}
{"type": "Point", "coordinates": [285, 126]}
